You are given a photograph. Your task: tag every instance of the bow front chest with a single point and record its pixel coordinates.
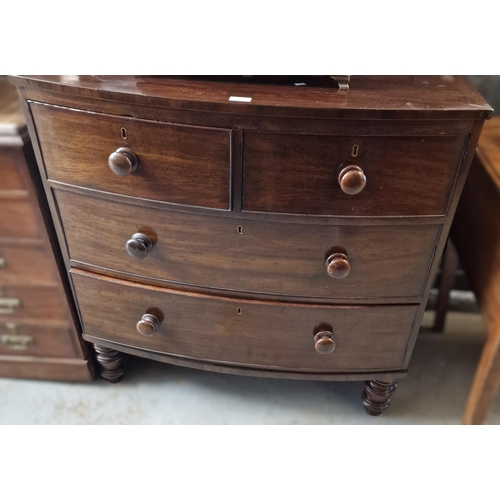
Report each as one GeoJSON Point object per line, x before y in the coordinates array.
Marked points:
{"type": "Point", "coordinates": [253, 226]}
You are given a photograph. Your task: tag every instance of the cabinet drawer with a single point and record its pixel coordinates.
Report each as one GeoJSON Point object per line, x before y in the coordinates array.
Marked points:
{"type": "Point", "coordinates": [18, 219]}
{"type": "Point", "coordinates": [31, 302]}
{"type": "Point", "coordinates": [36, 338]}
{"type": "Point", "coordinates": [176, 163]}
{"type": "Point", "coordinates": [10, 179]}
{"type": "Point", "coordinates": [299, 174]}
{"type": "Point", "coordinates": [268, 257]}
{"type": "Point", "coordinates": [22, 266]}
{"type": "Point", "coordinates": [252, 333]}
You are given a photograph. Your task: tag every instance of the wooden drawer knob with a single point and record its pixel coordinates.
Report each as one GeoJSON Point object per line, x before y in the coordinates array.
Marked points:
{"type": "Point", "coordinates": [338, 265]}
{"type": "Point", "coordinates": [324, 342]}
{"type": "Point", "coordinates": [148, 325]}
{"type": "Point", "coordinates": [352, 179]}
{"type": "Point", "coordinates": [123, 162]}
{"type": "Point", "coordinates": [139, 246]}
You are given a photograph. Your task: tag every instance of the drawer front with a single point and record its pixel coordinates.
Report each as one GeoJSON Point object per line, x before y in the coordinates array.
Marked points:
{"type": "Point", "coordinates": [10, 179]}
{"type": "Point", "coordinates": [268, 257]}
{"type": "Point", "coordinates": [31, 302]}
{"type": "Point", "coordinates": [252, 333]}
{"type": "Point", "coordinates": [18, 219]}
{"type": "Point", "coordinates": [35, 338]}
{"type": "Point", "coordinates": [299, 174]}
{"type": "Point", "coordinates": [22, 266]}
{"type": "Point", "coordinates": [176, 163]}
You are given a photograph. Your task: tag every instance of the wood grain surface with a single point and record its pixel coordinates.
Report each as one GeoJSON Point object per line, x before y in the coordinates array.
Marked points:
{"type": "Point", "coordinates": [178, 164]}
{"type": "Point", "coordinates": [49, 338]}
{"type": "Point", "coordinates": [254, 333]}
{"type": "Point", "coordinates": [476, 234]}
{"type": "Point", "coordinates": [299, 174]}
{"type": "Point", "coordinates": [274, 258]}
{"type": "Point", "coordinates": [419, 97]}
{"type": "Point", "coordinates": [49, 368]}
{"type": "Point", "coordinates": [489, 149]}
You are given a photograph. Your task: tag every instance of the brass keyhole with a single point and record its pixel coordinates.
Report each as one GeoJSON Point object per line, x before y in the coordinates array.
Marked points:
{"type": "Point", "coordinates": [239, 310]}
{"type": "Point", "coordinates": [123, 132]}
{"type": "Point", "coordinates": [239, 229]}
{"type": "Point", "coordinates": [355, 151]}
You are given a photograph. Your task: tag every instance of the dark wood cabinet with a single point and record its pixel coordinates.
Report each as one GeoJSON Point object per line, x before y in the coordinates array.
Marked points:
{"type": "Point", "coordinates": [293, 234]}
{"type": "Point", "coordinates": [37, 334]}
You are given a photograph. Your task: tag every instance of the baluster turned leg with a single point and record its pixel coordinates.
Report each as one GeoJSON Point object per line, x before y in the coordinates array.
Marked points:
{"type": "Point", "coordinates": [377, 396]}
{"type": "Point", "coordinates": [111, 363]}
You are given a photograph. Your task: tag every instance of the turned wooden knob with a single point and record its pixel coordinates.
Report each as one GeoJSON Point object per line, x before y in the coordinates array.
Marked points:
{"type": "Point", "coordinates": [352, 179]}
{"type": "Point", "coordinates": [148, 325]}
{"type": "Point", "coordinates": [338, 265]}
{"type": "Point", "coordinates": [138, 246]}
{"type": "Point", "coordinates": [324, 342]}
{"type": "Point", "coordinates": [123, 162]}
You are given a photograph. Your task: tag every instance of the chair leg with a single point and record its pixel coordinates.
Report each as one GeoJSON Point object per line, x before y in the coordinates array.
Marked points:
{"type": "Point", "coordinates": [486, 380]}
{"type": "Point", "coordinates": [450, 265]}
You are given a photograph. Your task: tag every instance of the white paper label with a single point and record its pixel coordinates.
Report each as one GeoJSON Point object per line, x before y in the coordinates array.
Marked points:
{"type": "Point", "coordinates": [240, 99]}
{"type": "Point", "coordinates": [298, 84]}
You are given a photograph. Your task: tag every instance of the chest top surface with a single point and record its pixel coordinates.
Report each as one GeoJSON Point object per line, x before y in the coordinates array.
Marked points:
{"type": "Point", "coordinates": [369, 97]}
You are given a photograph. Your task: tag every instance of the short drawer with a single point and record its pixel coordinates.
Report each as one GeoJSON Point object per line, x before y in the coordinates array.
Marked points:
{"type": "Point", "coordinates": [250, 333]}
{"type": "Point", "coordinates": [301, 174]}
{"type": "Point", "coordinates": [18, 219]}
{"type": "Point", "coordinates": [267, 257]}
{"type": "Point", "coordinates": [35, 338]}
{"type": "Point", "coordinates": [23, 266]}
{"type": "Point", "coordinates": [41, 302]}
{"type": "Point", "coordinates": [176, 163]}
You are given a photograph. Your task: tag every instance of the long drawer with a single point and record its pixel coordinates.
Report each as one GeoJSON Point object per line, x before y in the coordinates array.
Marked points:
{"type": "Point", "coordinates": [267, 257]}
{"type": "Point", "coordinates": [243, 332]}
{"type": "Point", "coordinates": [175, 163]}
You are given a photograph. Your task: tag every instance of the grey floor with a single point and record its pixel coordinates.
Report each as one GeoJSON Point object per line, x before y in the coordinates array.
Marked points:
{"type": "Point", "coordinates": [435, 392]}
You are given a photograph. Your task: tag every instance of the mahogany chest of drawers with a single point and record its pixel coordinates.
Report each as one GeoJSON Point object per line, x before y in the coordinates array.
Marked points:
{"type": "Point", "coordinates": [254, 228]}
{"type": "Point", "coordinates": [37, 337]}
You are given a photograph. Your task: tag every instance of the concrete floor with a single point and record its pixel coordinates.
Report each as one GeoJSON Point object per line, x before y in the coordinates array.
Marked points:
{"type": "Point", "coordinates": [435, 392]}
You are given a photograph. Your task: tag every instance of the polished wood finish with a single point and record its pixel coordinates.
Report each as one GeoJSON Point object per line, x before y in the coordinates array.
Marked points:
{"type": "Point", "coordinates": [76, 146]}
{"type": "Point", "coordinates": [139, 246]}
{"type": "Point", "coordinates": [338, 265]}
{"type": "Point", "coordinates": [123, 161]}
{"type": "Point", "coordinates": [110, 362]}
{"type": "Point", "coordinates": [324, 342]}
{"type": "Point", "coordinates": [148, 325]}
{"type": "Point", "coordinates": [377, 396]}
{"type": "Point", "coordinates": [37, 338]}
{"type": "Point", "coordinates": [298, 174]}
{"type": "Point", "coordinates": [375, 97]}
{"type": "Point", "coordinates": [254, 333]}
{"type": "Point", "coordinates": [241, 284]}
{"type": "Point", "coordinates": [352, 179]}
{"type": "Point", "coordinates": [266, 257]}
{"type": "Point", "coordinates": [476, 234]}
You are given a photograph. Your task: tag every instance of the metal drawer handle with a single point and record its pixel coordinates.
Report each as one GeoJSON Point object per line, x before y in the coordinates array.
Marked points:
{"type": "Point", "coordinates": [8, 306]}
{"type": "Point", "coordinates": [14, 341]}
